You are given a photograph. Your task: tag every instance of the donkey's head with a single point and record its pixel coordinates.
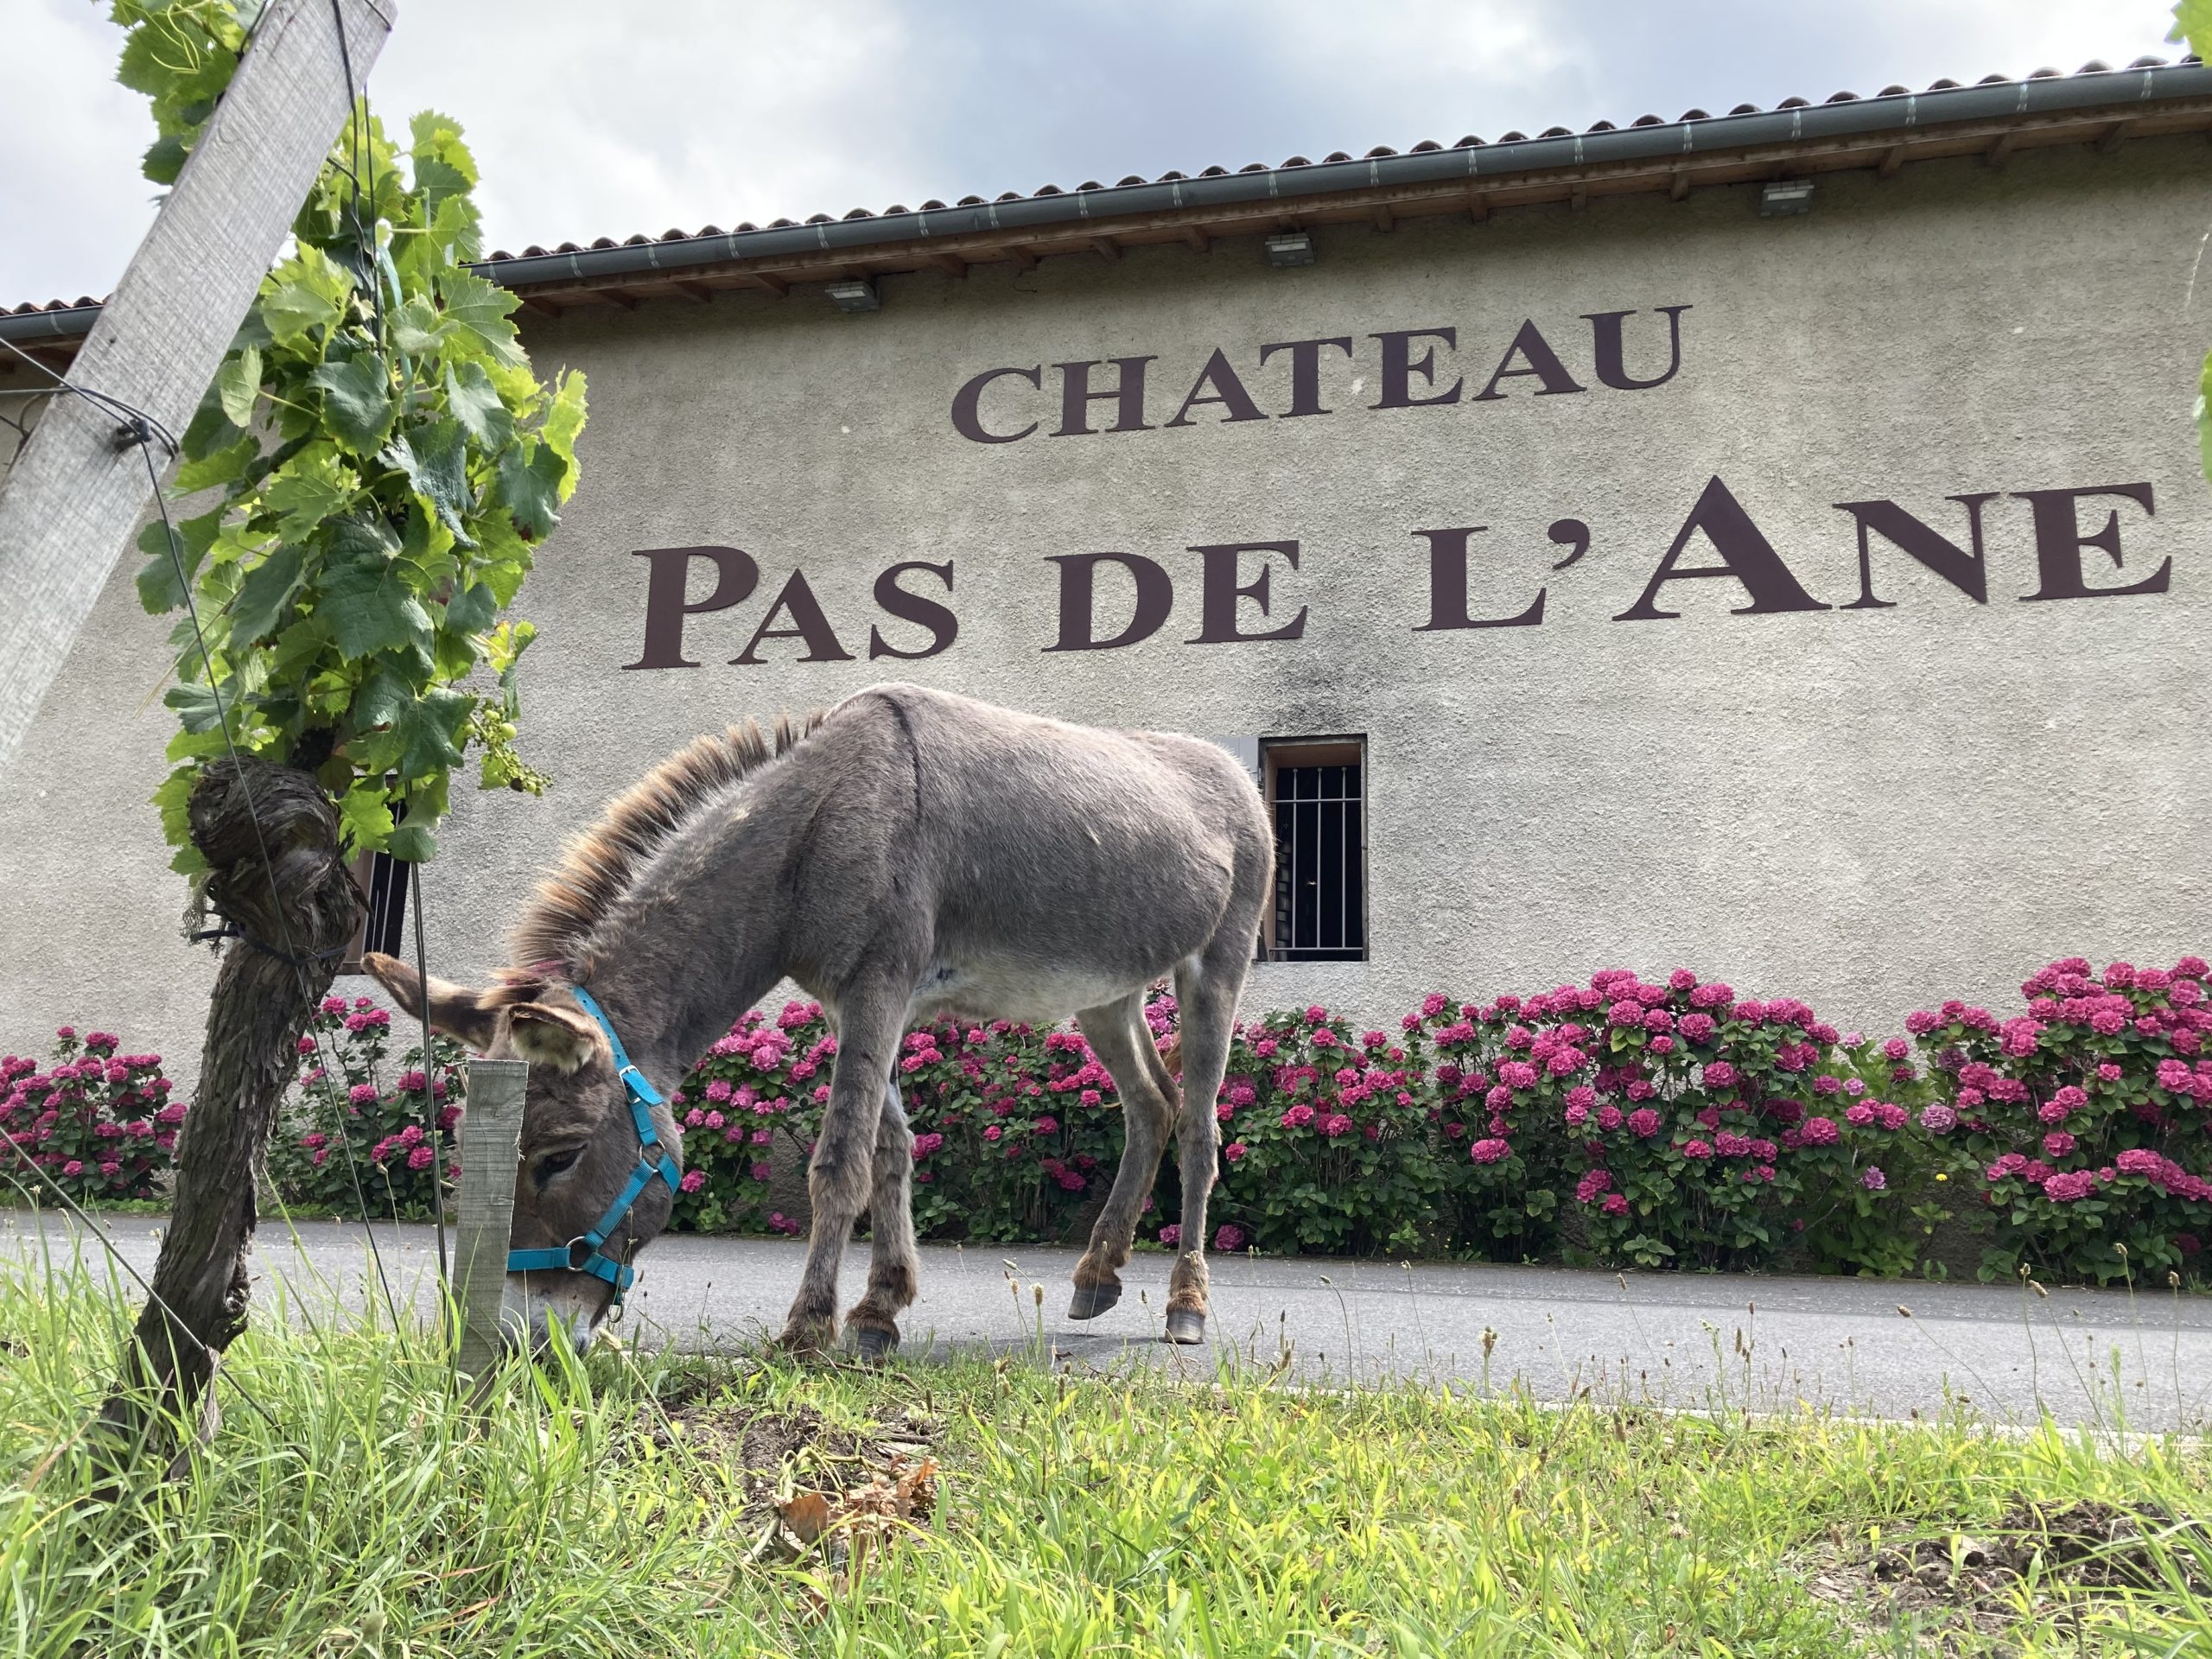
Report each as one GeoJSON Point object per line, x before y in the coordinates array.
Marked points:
{"type": "Point", "coordinates": [579, 1139]}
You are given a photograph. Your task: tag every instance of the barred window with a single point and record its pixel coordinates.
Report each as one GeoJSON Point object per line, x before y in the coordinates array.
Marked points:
{"type": "Point", "coordinates": [1316, 793]}
{"type": "Point", "coordinates": [382, 881]}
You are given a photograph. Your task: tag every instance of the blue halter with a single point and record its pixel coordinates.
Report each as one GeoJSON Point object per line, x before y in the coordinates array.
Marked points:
{"type": "Point", "coordinates": [586, 1253]}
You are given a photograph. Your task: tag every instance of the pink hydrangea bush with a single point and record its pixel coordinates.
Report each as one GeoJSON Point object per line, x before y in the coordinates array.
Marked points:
{"type": "Point", "coordinates": [100, 1123]}
{"type": "Point", "coordinates": [1695, 1129]}
{"type": "Point", "coordinates": [1326, 1142]}
{"type": "Point", "coordinates": [352, 1097]}
{"type": "Point", "coordinates": [1500, 1146]}
{"type": "Point", "coordinates": [761, 1087]}
{"type": "Point", "coordinates": [1014, 1128]}
{"type": "Point", "coordinates": [2083, 1121]}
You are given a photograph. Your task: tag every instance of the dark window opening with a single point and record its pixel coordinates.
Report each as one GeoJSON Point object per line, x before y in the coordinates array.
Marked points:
{"type": "Point", "coordinates": [1316, 793]}
{"type": "Point", "coordinates": [383, 880]}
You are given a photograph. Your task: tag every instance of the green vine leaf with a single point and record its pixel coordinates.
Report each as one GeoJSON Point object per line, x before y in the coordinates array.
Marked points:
{"type": "Point", "coordinates": [356, 404]}
{"type": "Point", "coordinates": [386, 459]}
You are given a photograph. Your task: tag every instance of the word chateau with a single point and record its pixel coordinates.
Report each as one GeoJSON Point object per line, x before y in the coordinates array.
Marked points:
{"type": "Point", "coordinates": [1249, 592]}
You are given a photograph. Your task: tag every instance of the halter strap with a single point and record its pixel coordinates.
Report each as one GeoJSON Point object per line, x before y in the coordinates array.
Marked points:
{"type": "Point", "coordinates": [584, 1253]}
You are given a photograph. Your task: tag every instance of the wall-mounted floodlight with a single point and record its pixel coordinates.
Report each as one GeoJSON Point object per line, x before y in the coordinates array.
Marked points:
{"type": "Point", "coordinates": [1295, 248]}
{"type": "Point", "coordinates": [1785, 196]}
{"type": "Point", "coordinates": [854, 297]}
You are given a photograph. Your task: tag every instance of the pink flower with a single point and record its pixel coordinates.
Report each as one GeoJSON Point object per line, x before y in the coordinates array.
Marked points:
{"type": "Point", "coordinates": [1230, 1239]}
{"type": "Point", "coordinates": [1873, 1180]}
{"type": "Point", "coordinates": [2066, 1187]}
{"type": "Point", "coordinates": [1171, 1235]}
{"type": "Point", "coordinates": [760, 1172]}
{"type": "Point", "coordinates": [926, 1144]}
{"type": "Point", "coordinates": [1334, 1125]}
{"type": "Point", "coordinates": [993, 1132]}
{"type": "Point", "coordinates": [1938, 1119]}
{"type": "Point", "coordinates": [1490, 1151]}
{"type": "Point", "coordinates": [2057, 1144]}
{"type": "Point", "coordinates": [1696, 1151]}
{"type": "Point", "coordinates": [422, 1157]}
{"type": "Point", "coordinates": [692, 1181]}
{"type": "Point", "coordinates": [362, 1094]}
{"type": "Point", "coordinates": [1297, 1116]}
{"type": "Point", "coordinates": [1719, 1074]}
{"type": "Point", "coordinates": [1234, 1150]}
{"type": "Point", "coordinates": [1819, 1132]}
{"type": "Point", "coordinates": [1615, 1204]}
{"type": "Point", "coordinates": [1644, 1123]}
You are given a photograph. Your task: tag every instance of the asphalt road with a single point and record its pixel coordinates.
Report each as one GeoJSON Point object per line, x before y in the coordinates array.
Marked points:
{"type": "Point", "coordinates": [2143, 1363]}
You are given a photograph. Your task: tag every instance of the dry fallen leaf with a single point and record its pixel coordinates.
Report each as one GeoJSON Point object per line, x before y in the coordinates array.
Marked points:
{"type": "Point", "coordinates": [808, 1513]}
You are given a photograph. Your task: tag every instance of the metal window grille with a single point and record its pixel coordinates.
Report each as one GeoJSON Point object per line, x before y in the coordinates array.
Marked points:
{"type": "Point", "coordinates": [1316, 796]}
{"type": "Point", "coordinates": [383, 924]}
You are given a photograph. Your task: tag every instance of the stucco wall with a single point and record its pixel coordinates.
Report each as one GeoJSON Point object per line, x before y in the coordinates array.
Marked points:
{"type": "Point", "coordinates": [1867, 808]}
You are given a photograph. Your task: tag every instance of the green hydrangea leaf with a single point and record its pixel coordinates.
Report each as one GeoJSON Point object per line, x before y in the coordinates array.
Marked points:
{"type": "Point", "coordinates": [412, 843]}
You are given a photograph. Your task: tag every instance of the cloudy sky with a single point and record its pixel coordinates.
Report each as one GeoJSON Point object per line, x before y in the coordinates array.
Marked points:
{"type": "Point", "coordinates": [591, 119]}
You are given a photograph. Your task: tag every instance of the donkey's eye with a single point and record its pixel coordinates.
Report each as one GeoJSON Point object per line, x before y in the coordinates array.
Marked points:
{"type": "Point", "coordinates": [554, 1163]}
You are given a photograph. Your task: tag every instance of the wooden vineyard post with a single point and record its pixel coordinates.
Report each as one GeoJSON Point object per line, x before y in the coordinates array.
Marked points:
{"type": "Point", "coordinates": [75, 494]}
{"type": "Point", "coordinates": [491, 1146]}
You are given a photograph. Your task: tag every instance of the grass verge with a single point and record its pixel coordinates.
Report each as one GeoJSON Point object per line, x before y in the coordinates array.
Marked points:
{"type": "Point", "coordinates": [628, 1506]}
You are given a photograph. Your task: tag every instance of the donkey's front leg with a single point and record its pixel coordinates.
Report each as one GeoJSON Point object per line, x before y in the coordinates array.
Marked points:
{"type": "Point", "coordinates": [893, 1268]}
{"type": "Point", "coordinates": [844, 1166]}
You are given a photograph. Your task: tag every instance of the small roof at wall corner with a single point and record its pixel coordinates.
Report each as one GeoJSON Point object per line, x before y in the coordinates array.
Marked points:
{"type": "Point", "coordinates": [1994, 118]}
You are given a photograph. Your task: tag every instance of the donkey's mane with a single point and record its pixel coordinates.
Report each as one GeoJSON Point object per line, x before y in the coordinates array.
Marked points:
{"type": "Point", "coordinates": [598, 867]}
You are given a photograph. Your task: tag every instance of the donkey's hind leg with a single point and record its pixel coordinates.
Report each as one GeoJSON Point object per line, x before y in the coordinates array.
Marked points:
{"type": "Point", "coordinates": [1119, 1037]}
{"type": "Point", "coordinates": [893, 1269]}
{"type": "Point", "coordinates": [1207, 991]}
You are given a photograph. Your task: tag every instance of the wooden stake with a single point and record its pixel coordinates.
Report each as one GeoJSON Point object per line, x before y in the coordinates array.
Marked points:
{"type": "Point", "coordinates": [490, 1145]}
{"type": "Point", "coordinates": [76, 492]}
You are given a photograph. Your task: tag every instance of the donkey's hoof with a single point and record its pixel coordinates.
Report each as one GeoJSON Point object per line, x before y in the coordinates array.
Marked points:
{"type": "Point", "coordinates": [808, 1338]}
{"type": "Point", "coordinates": [1091, 1300]}
{"type": "Point", "coordinates": [874, 1346]}
{"type": "Point", "coordinates": [1186, 1326]}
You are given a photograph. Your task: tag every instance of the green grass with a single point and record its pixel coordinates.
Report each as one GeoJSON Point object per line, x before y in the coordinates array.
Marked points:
{"type": "Point", "coordinates": [1076, 1518]}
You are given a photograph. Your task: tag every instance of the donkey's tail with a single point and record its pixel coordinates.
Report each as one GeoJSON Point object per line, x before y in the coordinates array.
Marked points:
{"type": "Point", "coordinates": [1171, 1056]}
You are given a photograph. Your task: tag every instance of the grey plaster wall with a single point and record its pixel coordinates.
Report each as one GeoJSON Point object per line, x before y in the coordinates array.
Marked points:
{"type": "Point", "coordinates": [1866, 808]}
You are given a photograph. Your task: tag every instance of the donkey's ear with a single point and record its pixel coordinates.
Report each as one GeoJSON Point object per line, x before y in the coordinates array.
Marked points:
{"type": "Point", "coordinates": [545, 1035]}
{"type": "Point", "coordinates": [454, 1008]}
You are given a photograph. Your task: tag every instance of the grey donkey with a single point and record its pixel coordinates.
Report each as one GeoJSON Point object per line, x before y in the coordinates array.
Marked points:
{"type": "Point", "coordinates": [908, 855]}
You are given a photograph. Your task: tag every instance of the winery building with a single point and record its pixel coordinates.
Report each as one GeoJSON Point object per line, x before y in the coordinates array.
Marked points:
{"type": "Point", "coordinates": [1771, 542]}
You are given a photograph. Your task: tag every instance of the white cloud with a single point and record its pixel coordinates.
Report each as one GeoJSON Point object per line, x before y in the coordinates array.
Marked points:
{"type": "Point", "coordinates": [593, 120]}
